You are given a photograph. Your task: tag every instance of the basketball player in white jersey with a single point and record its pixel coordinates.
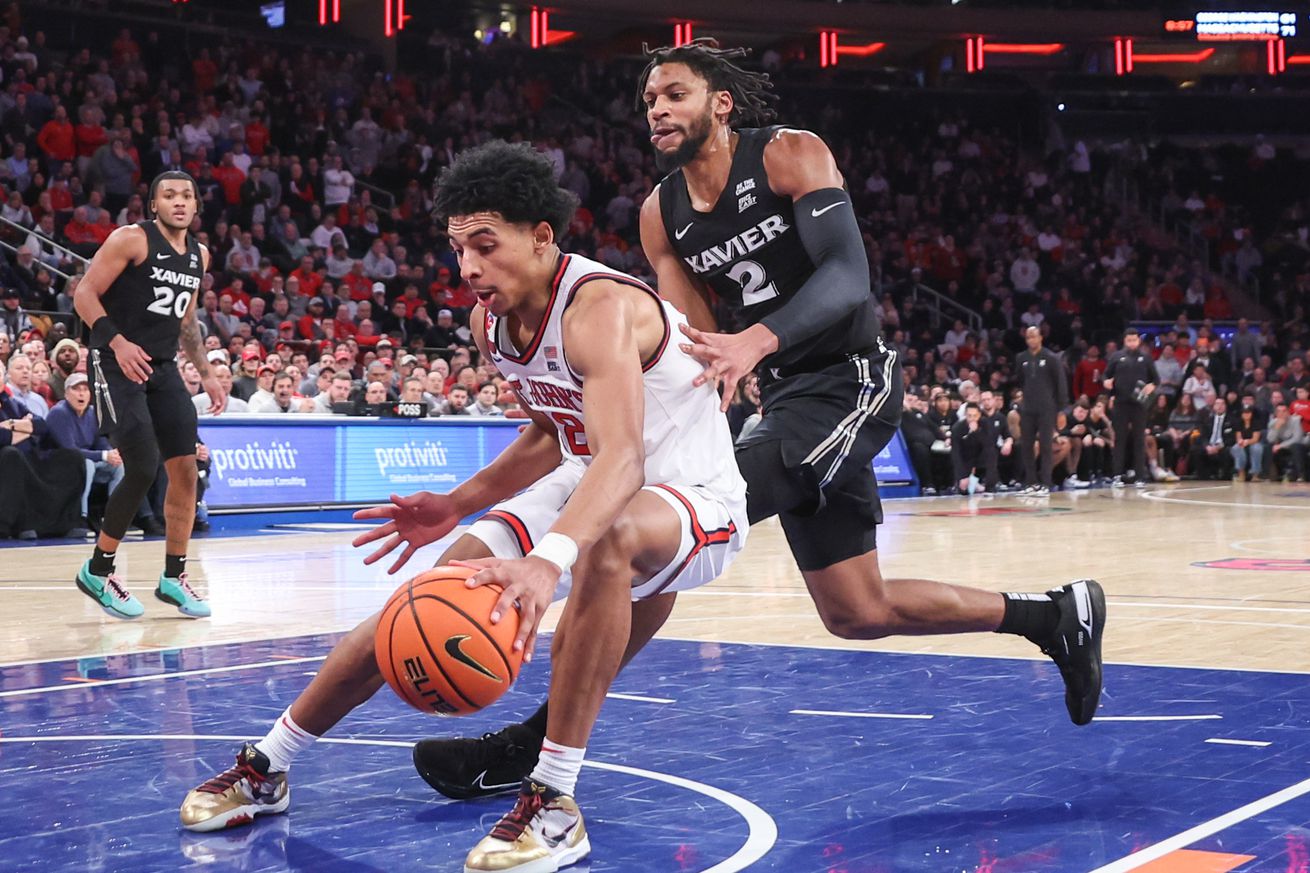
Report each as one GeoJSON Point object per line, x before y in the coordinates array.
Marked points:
{"type": "Point", "coordinates": [643, 458]}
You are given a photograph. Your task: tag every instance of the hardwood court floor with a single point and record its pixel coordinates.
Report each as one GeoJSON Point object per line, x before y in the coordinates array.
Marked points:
{"type": "Point", "coordinates": [1198, 575]}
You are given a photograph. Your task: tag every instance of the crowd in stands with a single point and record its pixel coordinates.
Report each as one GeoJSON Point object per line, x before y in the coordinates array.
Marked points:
{"type": "Point", "coordinates": [333, 290]}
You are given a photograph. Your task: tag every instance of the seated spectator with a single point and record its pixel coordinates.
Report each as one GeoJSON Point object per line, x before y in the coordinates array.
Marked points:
{"type": "Point", "coordinates": [40, 486]}
{"type": "Point", "coordinates": [73, 425]}
{"type": "Point", "coordinates": [277, 400]}
{"type": "Point", "coordinates": [1200, 387]}
{"type": "Point", "coordinates": [20, 386]}
{"type": "Point", "coordinates": [338, 392]}
{"type": "Point", "coordinates": [14, 322]}
{"type": "Point", "coordinates": [1287, 446]}
{"type": "Point", "coordinates": [457, 401]}
{"type": "Point", "coordinates": [67, 358]}
{"type": "Point", "coordinates": [1248, 444]}
{"type": "Point", "coordinates": [262, 398]}
{"type": "Point", "coordinates": [973, 452]}
{"type": "Point", "coordinates": [484, 403]}
{"type": "Point", "coordinates": [1211, 455]}
{"type": "Point", "coordinates": [231, 405]}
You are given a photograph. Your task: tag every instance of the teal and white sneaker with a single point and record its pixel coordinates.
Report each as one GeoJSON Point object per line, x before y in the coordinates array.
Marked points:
{"type": "Point", "coordinates": [179, 593]}
{"type": "Point", "coordinates": [108, 592]}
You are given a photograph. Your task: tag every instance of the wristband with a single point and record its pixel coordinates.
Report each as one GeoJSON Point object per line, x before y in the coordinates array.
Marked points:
{"type": "Point", "coordinates": [103, 332]}
{"type": "Point", "coordinates": [557, 548]}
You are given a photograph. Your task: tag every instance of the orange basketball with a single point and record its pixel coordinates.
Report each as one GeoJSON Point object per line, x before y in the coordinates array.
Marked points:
{"type": "Point", "coordinates": [437, 648]}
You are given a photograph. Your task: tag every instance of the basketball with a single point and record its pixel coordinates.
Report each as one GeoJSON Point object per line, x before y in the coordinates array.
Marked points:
{"type": "Point", "coordinates": [437, 648]}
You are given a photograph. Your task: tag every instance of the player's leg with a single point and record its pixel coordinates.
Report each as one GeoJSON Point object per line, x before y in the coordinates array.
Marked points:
{"type": "Point", "coordinates": [125, 416]}
{"type": "Point", "coordinates": [832, 533]}
{"type": "Point", "coordinates": [257, 784]}
{"type": "Point", "coordinates": [173, 417]}
{"type": "Point", "coordinates": [651, 546]}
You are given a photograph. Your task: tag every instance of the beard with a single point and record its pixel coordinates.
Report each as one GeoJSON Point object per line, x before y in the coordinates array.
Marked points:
{"type": "Point", "coordinates": [693, 138]}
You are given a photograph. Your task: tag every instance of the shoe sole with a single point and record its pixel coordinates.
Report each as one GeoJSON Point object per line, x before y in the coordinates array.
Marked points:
{"type": "Point", "coordinates": [1089, 598]}
{"type": "Point", "coordinates": [181, 607]}
{"type": "Point", "coordinates": [242, 815]}
{"type": "Point", "coordinates": [459, 792]}
{"type": "Point", "coordinates": [85, 589]}
{"type": "Point", "coordinates": [549, 864]}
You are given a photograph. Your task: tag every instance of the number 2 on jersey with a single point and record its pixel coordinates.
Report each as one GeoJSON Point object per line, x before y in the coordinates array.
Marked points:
{"type": "Point", "coordinates": [169, 302]}
{"type": "Point", "coordinates": [575, 434]}
{"type": "Point", "coordinates": [754, 281]}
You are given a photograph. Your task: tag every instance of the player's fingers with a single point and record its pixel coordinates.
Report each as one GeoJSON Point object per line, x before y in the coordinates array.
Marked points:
{"type": "Point", "coordinates": [530, 646]}
{"type": "Point", "coordinates": [374, 512]}
{"type": "Point", "coordinates": [385, 549]}
{"type": "Point", "coordinates": [410, 549]}
{"type": "Point", "coordinates": [376, 533]}
{"type": "Point", "coordinates": [693, 333]}
{"type": "Point", "coordinates": [529, 618]}
{"type": "Point", "coordinates": [504, 604]}
{"type": "Point", "coordinates": [477, 564]}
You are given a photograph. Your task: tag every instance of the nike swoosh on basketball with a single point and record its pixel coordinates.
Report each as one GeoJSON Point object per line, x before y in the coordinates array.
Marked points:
{"type": "Point", "coordinates": [815, 213]}
{"type": "Point", "coordinates": [453, 649]}
{"type": "Point", "coordinates": [681, 233]}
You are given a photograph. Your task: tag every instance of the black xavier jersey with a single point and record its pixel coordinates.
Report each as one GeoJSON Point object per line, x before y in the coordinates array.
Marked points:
{"type": "Point", "coordinates": [147, 300]}
{"type": "Point", "coordinates": [747, 249]}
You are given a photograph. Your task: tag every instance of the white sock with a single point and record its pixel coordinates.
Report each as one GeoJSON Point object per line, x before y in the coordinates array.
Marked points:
{"type": "Point", "coordinates": [559, 766]}
{"type": "Point", "coordinates": [286, 740]}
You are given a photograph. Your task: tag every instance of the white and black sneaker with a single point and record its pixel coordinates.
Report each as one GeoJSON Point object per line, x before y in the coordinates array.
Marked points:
{"type": "Point", "coordinates": [465, 768]}
{"type": "Point", "coordinates": [1075, 646]}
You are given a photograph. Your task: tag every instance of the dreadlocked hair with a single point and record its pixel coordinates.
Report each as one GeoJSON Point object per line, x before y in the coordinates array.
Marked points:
{"type": "Point", "coordinates": [513, 180]}
{"type": "Point", "coordinates": [752, 93]}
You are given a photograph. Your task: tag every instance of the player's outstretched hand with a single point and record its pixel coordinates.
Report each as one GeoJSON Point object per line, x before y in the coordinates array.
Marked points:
{"type": "Point", "coordinates": [728, 357]}
{"type": "Point", "coordinates": [132, 359]}
{"type": "Point", "coordinates": [529, 584]}
{"type": "Point", "coordinates": [416, 520]}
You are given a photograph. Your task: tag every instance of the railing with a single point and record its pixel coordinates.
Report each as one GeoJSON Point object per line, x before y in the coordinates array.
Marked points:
{"type": "Point", "coordinates": [46, 245]}
{"type": "Point", "coordinates": [944, 306]}
{"type": "Point", "coordinates": [378, 193]}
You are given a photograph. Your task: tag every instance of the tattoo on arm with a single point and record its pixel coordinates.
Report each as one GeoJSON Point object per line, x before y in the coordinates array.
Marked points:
{"type": "Point", "coordinates": [193, 344]}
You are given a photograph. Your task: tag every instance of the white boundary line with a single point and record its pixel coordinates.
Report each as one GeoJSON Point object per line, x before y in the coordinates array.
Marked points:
{"type": "Point", "coordinates": [1166, 498]}
{"type": "Point", "coordinates": [762, 830]}
{"type": "Point", "coordinates": [639, 698]}
{"type": "Point", "coordinates": [156, 677]}
{"type": "Point", "coordinates": [857, 714]}
{"type": "Point", "coordinates": [1257, 744]}
{"type": "Point", "coordinates": [1205, 829]}
{"type": "Point", "coordinates": [1101, 718]}
{"type": "Point", "coordinates": [153, 650]}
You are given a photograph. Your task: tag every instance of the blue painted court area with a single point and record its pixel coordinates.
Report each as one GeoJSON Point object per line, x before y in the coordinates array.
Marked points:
{"type": "Point", "coordinates": [988, 775]}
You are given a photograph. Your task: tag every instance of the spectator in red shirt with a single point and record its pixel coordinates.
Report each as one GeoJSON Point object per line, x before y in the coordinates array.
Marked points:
{"type": "Point", "coordinates": [256, 136]}
{"type": "Point", "coordinates": [230, 177]}
{"type": "Point", "coordinates": [355, 282]}
{"type": "Point", "coordinates": [57, 140]}
{"type": "Point", "coordinates": [205, 71]}
{"type": "Point", "coordinates": [89, 135]}
{"type": "Point", "coordinates": [1301, 406]}
{"type": "Point", "coordinates": [79, 232]}
{"type": "Point", "coordinates": [307, 277]}
{"type": "Point", "coordinates": [1087, 375]}
{"type": "Point", "coordinates": [1217, 306]}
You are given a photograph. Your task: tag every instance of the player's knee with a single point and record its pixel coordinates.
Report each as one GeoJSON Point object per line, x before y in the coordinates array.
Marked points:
{"type": "Point", "coordinates": [615, 553]}
{"type": "Point", "coordinates": [868, 617]}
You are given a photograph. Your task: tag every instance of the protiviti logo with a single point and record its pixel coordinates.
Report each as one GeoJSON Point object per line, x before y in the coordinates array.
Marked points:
{"type": "Point", "coordinates": [253, 457]}
{"type": "Point", "coordinates": [412, 454]}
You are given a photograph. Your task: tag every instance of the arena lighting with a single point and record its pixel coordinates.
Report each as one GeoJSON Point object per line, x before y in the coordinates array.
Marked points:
{"type": "Point", "coordinates": [1023, 48]}
{"type": "Point", "coordinates": [1245, 25]}
{"type": "Point", "coordinates": [1123, 57]}
{"type": "Point", "coordinates": [393, 16]}
{"type": "Point", "coordinates": [1276, 56]}
{"type": "Point", "coordinates": [1298, 59]}
{"type": "Point", "coordinates": [1174, 57]}
{"type": "Point", "coordinates": [326, 6]}
{"type": "Point", "coordinates": [974, 51]}
{"type": "Point", "coordinates": [861, 51]}
{"type": "Point", "coordinates": [542, 35]}
{"type": "Point", "coordinates": [681, 33]}
{"type": "Point", "coordinates": [828, 50]}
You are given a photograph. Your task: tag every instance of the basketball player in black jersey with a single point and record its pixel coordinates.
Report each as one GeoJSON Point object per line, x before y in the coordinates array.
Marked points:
{"type": "Point", "coordinates": [139, 297]}
{"type": "Point", "coordinates": [759, 219]}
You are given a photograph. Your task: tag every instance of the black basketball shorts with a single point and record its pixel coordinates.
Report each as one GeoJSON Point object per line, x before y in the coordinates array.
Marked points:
{"type": "Point", "coordinates": [159, 409]}
{"type": "Point", "coordinates": [810, 461]}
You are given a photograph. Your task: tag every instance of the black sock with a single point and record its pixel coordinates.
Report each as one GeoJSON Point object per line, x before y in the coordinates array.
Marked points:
{"type": "Point", "coordinates": [537, 721]}
{"type": "Point", "coordinates": [174, 566]}
{"type": "Point", "coordinates": [1029, 615]}
{"type": "Point", "coordinates": [102, 562]}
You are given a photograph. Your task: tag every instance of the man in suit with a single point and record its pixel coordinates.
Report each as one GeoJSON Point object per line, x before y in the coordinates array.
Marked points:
{"type": "Point", "coordinates": [1210, 455]}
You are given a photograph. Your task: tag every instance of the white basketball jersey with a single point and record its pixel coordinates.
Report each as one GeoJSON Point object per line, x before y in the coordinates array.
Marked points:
{"type": "Point", "coordinates": [686, 437]}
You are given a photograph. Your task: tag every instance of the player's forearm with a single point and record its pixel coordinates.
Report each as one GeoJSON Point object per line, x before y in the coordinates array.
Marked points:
{"type": "Point", "coordinates": [611, 481]}
{"type": "Point", "coordinates": [87, 305]}
{"type": "Point", "coordinates": [830, 234]}
{"type": "Point", "coordinates": [194, 345]}
{"type": "Point", "coordinates": [530, 457]}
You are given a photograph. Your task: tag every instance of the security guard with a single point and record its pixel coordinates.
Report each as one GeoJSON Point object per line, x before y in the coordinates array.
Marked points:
{"type": "Point", "coordinates": [1132, 377]}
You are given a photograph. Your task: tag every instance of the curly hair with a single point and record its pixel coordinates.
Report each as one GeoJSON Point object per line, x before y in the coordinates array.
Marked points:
{"type": "Point", "coordinates": [513, 180]}
{"type": "Point", "coordinates": [752, 93]}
